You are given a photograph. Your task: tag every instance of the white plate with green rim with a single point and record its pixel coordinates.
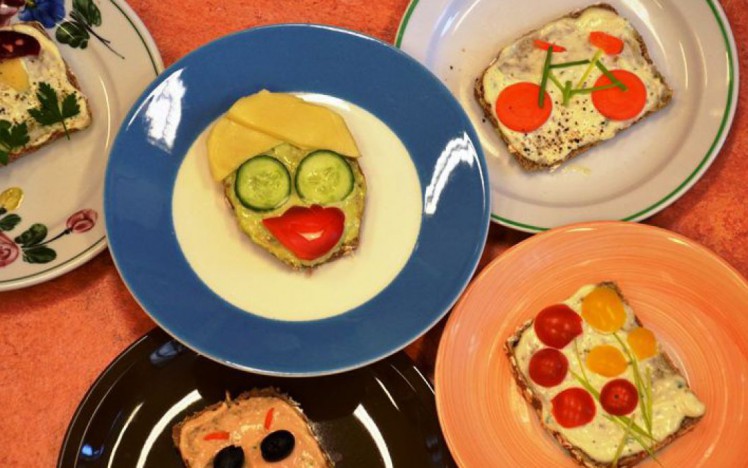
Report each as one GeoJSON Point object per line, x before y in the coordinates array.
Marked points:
{"type": "Point", "coordinates": [631, 177]}
{"type": "Point", "coordinates": [51, 201]}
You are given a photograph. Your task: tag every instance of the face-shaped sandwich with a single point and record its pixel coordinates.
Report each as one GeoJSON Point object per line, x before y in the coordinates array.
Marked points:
{"type": "Point", "coordinates": [289, 171]}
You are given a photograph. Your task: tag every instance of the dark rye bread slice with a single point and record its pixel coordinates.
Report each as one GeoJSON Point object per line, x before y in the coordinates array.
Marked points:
{"type": "Point", "coordinates": [176, 433]}
{"type": "Point", "coordinates": [532, 165]}
{"type": "Point", "coordinates": [72, 79]}
{"type": "Point", "coordinates": [579, 455]}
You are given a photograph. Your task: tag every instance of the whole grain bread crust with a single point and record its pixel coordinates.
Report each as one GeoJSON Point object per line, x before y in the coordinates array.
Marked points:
{"type": "Point", "coordinates": [73, 81]}
{"type": "Point", "coordinates": [532, 165]}
{"type": "Point", "coordinates": [269, 392]}
{"type": "Point", "coordinates": [579, 455]}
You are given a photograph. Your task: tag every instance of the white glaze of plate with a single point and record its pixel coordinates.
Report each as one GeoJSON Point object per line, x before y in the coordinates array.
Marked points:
{"type": "Point", "coordinates": [67, 176]}
{"type": "Point", "coordinates": [631, 177]}
{"type": "Point", "coordinates": [249, 278]}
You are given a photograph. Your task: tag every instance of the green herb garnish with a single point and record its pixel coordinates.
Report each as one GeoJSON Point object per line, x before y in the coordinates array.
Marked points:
{"type": "Point", "coordinates": [622, 444]}
{"type": "Point", "coordinates": [50, 111]}
{"type": "Point", "coordinates": [594, 88]}
{"type": "Point", "coordinates": [641, 386]}
{"type": "Point", "coordinates": [610, 76]}
{"type": "Point", "coordinates": [587, 72]}
{"type": "Point", "coordinates": [568, 92]}
{"type": "Point", "coordinates": [570, 64]}
{"type": "Point", "coordinates": [544, 78]}
{"type": "Point", "coordinates": [11, 137]}
{"type": "Point", "coordinates": [555, 81]}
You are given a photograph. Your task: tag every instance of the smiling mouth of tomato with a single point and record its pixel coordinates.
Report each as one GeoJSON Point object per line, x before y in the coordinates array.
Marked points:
{"type": "Point", "coordinates": [308, 232]}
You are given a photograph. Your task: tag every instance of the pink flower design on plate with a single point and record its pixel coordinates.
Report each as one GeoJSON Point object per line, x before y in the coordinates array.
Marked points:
{"type": "Point", "coordinates": [8, 250]}
{"type": "Point", "coordinates": [82, 221]}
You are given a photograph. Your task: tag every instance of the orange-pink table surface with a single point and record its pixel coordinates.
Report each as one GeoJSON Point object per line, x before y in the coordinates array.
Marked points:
{"type": "Point", "coordinates": [57, 337]}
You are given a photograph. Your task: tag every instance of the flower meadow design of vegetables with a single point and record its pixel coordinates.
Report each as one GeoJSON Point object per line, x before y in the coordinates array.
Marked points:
{"type": "Point", "coordinates": [74, 31]}
{"type": "Point", "coordinates": [33, 243]}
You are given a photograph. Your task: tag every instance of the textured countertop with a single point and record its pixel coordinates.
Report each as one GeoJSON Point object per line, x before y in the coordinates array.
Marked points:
{"type": "Point", "coordinates": [56, 337]}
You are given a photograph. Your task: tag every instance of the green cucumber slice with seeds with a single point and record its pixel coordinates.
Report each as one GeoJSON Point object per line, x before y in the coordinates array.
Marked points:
{"type": "Point", "coordinates": [262, 183]}
{"type": "Point", "coordinates": [324, 177]}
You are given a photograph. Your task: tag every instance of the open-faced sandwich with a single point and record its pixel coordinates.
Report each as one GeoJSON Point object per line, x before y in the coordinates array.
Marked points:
{"type": "Point", "coordinates": [40, 99]}
{"type": "Point", "coordinates": [599, 381]}
{"type": "Point", "coordinates": [289, 170]}
{"type": "Point", "coordinates": [259, 428]}
{"type": "Point", "coordinates": [562, 89]}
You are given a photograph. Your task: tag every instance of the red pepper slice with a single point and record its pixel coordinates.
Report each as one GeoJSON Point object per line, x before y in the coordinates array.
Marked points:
{"type": "Point", "coordinates": [218, 435]}
{"type": "Point", "coordinates": [611, 45]}
{"type": "Point", "coordinates": [269, 418]}
{"type": "Point", "coordinates": [543, 45]}
{"type": "Point", "coordinates": [308, 232]}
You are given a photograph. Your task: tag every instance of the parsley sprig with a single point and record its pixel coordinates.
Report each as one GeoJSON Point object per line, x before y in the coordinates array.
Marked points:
{"type": "Point", "coordinates": [50, 111]}
{"type": "Point", "coordinates": [11, 137]}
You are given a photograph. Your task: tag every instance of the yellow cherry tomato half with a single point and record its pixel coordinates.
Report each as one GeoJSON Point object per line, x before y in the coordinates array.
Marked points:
{"type": "Point", "coordinates": [603, 310]}
{"type": "Point", "coordinates": [606, 360]}
{"type": "Point", "coordinates": [642, 343]}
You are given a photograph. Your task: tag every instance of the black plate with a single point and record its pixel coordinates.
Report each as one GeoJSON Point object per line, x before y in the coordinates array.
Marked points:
{"type": "Point", "coordinates": [380, 415]}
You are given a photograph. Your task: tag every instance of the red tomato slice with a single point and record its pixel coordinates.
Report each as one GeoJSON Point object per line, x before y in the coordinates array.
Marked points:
{"type": "Point", "coordinates": [548, 367]}
{"type": "Point", "coordinates": [517, 107]}
{"type": "Point", "coordinates": [308, 232]}
{"type": "Point", "coordinates": [611, 45]}
{"type": "Point", "coordinates": [619, 397]}
{"type": "Point", "coordinates": [557, 325]}
{"type": "Point", "coordinates": [547, 45]}
{"type": "Point", "coordinates": [573, 407]}
{"type": "Point", "coordinates": [616, 104]}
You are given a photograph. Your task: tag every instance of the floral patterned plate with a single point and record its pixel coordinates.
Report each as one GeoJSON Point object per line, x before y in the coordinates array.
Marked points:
{"type": "Point", "coordinates": [51, 200]}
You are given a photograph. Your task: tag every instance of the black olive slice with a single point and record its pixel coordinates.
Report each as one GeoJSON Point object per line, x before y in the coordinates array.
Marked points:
{"type": "Point", "coordinates": [14, 44]}
{"type": "Point", "coordinates": [277, 445]}
{"type": "Point", "coordinates": [229, 457]}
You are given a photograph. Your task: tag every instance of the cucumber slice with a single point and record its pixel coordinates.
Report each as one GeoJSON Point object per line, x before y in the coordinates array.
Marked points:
{"type": "Point", "coordinates": [324, 177]}
{"type": "Point", "coordinates": [262, 183]}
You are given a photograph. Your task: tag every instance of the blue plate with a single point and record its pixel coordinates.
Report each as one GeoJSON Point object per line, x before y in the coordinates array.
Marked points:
{"type": "Point", "coordinates": [192, 93]}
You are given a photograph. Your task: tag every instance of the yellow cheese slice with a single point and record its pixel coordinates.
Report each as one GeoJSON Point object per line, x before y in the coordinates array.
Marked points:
{"type": "Point", "coordinates": [230, 144]}
{"type": "Point", "coordinates": [295, 121]}
{"type": "Point", "coordinates": [13, 74]}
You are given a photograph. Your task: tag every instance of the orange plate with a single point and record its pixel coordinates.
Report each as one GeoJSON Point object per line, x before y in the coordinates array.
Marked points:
{"type": "Point", "coordinates": [696, 304]}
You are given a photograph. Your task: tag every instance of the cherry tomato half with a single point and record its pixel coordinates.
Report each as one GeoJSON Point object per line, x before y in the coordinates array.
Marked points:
{"type": "Point", "coordinates": [573, 407]}
{"type": "Point", "coordinates": [619, 397]}
{"type": "Point", "coordinates": [548, 367]}
{"type": "Point", "coordinates": [308, 232]}
{"type": "Point", "coordinates": [557, 325]}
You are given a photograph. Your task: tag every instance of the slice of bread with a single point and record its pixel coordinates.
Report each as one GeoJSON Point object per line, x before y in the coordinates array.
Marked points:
{"type": "Point", "coordinates": [577, 127]}
{"type": "Point", "coordinates": [245, 423]}
{"type": "Point", "coordinates": [48, 67]}
{"type": "Point", "coordinates": [663, 366]}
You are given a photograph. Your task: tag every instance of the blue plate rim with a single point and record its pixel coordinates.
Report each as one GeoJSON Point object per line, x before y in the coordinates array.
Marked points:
{"type": "Point", "coordinates": [473, 259]}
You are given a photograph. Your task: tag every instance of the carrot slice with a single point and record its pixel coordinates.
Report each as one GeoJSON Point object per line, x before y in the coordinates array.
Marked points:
{"type": "Point", "coordinates": [517, 107]}
{"type": "Point", "coordinates": [546, 45]}
{"type": "Point", "coordinates": [616, 104]}
{"type": "Point", "coordinates": [611, 45]}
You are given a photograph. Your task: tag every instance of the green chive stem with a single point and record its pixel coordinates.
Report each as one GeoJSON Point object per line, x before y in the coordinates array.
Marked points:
{"type": "Point", "coordinates": [544, 79]}
{"type": "Point", "coordinates": [570, 64]}
{"type": "Point", "coordinates": [555, 81]}
{"type": "Point", "coordinates": [610, 76]}
{"type": "Point", "coordinates": [587, 72]}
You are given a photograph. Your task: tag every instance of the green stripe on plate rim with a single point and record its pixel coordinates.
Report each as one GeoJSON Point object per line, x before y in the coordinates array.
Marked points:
{"type": "Point", "coordinates": [709, 155]}
{"type": "Point", "coordinates": [102, 239]}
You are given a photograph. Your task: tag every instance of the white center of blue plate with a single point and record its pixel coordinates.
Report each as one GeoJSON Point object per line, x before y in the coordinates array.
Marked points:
{"type": "Point", "coordinates": [249, 278]}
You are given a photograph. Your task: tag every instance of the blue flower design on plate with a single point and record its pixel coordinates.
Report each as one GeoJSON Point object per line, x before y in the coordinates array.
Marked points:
{"type": "Point", "coordinates": [47, 12]}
